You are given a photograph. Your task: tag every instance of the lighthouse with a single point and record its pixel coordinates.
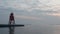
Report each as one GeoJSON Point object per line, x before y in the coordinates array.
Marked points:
{"type": "Point", "coordinates": [11, 19]}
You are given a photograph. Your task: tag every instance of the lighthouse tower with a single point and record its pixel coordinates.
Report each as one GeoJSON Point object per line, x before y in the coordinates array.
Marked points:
{"type": "Point", "coordinates": [11, 19]}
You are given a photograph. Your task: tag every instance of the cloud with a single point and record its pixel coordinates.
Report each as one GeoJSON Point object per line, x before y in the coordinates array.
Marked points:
{"type": "Point", "coordinates": [33, 7]}
{"type": "Point", "coordinates": [31, 4]}
{"type": "Point", "coordinates": [54, 14]}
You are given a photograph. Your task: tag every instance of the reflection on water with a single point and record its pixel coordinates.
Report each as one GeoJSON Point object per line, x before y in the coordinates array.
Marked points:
{"type": "Point", "coordinates": [11, 30]}
{"type": "Point", "coordinates": [32, 29]}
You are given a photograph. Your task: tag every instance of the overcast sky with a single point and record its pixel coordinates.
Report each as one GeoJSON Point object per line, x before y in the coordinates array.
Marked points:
{"type": "Point", "coordinates": [32, 7]}
{"type": "Point", "coordinates": [38, 12]}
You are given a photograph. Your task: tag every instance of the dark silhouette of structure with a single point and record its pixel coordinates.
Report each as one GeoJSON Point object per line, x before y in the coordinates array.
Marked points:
{"type": "Point", "coordinates": [11, 19]}
{"type": "Point", "coordinates": [11, 24]}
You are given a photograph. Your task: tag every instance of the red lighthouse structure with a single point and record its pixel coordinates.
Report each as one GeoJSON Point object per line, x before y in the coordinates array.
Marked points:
{"type": "Point", "coordinates": [11, 19]}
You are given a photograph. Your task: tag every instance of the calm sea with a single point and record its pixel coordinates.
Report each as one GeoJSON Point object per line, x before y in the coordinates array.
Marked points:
{"type": "Point", "coordinates": [31, 26]}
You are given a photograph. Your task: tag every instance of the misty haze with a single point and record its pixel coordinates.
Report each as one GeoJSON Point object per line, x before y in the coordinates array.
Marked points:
{"type": "Point", "coordinates": [38, 16]}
